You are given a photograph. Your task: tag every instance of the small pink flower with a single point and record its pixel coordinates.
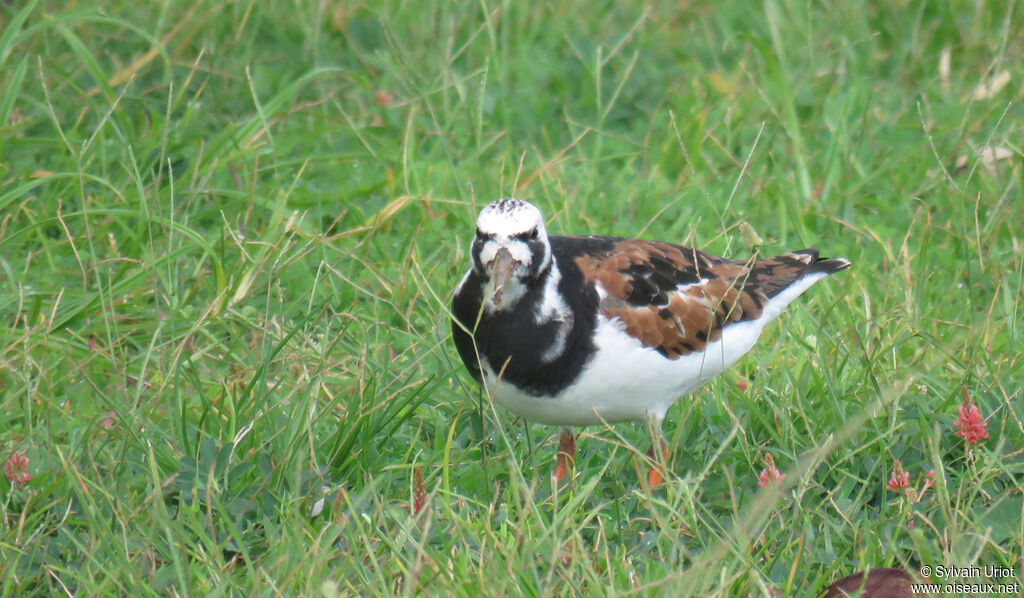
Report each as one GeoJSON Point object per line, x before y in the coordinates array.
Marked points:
{"type": "Point", "coordinates": [109, 420]}
{"type": "Point", "coordinates": [770, 473]}
{"type": "Point", "coordinates": [899, 479]}
{"type": "Point", "coordinates": [970, 424]}
{"type": "Point", "coordinates": [742, 384]}
{"type": "Point", "coordinates": [16, 468]}
{"type": "Point", "coordinates": [931, 479]}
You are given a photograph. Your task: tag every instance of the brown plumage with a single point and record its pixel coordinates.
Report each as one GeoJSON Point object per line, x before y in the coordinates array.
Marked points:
{"type": "Point", "coordinates": [875, 583]}
{"type": "Point", "coordinates": [676, 299]}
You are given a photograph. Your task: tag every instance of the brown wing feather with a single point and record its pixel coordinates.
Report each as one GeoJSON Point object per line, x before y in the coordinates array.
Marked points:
{"type": "Point", "coordinates": [677, 299]}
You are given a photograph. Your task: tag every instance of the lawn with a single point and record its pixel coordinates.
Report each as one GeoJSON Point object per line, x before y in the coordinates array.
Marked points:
{"type": "Point", "coordinates": [230, 232]}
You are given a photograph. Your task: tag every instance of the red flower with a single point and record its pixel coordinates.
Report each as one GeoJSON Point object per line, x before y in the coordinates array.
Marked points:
{"type": "Point", "coordinates": [17, 468]}
{"type": "Point", "coordinates": [742, 384]}
{"type": "Point", "coordinates": [899, 479]}
{"type": "Point", "coordinates": [970, 424]}
{"type": "Point", "coordinates": [109, 420]}
{"type": "Point", "coordinates": [931, 479]}
{"type": "Point", "coordinates": [770, 473]}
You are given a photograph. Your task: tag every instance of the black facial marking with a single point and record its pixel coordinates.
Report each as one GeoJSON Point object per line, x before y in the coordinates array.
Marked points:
{"type": "Point", "coordinates": [514, 335]}
{"type": "Point", "coordinates": [475, 250]}
{"type": "Point", "coordinates": [538, 251]}
{"type": "Point", "coordinates": [530, 235]}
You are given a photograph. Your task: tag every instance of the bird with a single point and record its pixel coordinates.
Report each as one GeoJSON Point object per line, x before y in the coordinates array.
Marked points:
{"type": "Point", "coordinates": [573, 331]}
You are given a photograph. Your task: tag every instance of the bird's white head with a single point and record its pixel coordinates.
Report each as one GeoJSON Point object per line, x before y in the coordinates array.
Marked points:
{"type": "Point", "coordinates": [510, 249]}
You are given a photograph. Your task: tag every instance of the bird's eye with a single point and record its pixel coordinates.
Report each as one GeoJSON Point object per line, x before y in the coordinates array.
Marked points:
{"type": "Point", "coordinates": [531, 235]}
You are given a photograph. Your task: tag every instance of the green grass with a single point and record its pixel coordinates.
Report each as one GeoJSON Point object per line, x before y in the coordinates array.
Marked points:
{"type": "Point", "coordinates": [229, 232]}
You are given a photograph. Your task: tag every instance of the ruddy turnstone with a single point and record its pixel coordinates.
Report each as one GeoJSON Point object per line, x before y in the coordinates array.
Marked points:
{"type": "Point", "coordinates": [575, 331]}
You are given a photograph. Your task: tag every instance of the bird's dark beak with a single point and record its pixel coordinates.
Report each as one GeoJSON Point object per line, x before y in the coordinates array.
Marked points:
{"type": "Point", "coordinates": [503, 266]}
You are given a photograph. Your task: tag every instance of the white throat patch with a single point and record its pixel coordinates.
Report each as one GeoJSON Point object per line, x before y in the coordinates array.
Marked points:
{"type": "Point", "coordinates": [554, 309]}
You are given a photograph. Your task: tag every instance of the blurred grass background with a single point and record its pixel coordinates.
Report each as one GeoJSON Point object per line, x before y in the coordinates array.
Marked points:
{"type": "Point", "coordinates": [229, 232]}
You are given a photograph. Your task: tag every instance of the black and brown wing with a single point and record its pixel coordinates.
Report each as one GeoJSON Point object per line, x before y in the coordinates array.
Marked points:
{"type": "Point", "coordinates": [677, 299]}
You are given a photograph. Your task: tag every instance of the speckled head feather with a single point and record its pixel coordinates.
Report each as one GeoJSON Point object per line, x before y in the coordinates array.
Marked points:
{"type": "Point", "coordinates": [509, 216]}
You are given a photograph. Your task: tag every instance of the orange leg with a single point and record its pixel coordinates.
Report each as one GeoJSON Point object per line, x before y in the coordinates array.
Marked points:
{"type": "Point", "coordinates": [566, 454]}
{"type": "Point", "coordinates": [657, 473]}
{"type": "Point", "coordinates": [658, 445]}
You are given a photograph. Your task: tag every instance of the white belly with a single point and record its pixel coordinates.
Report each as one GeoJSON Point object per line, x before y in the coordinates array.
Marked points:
{"type": "Point", "coordinates": [626, 381]}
